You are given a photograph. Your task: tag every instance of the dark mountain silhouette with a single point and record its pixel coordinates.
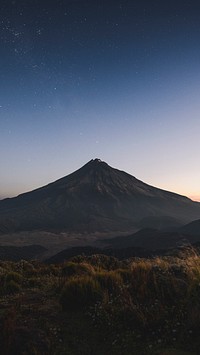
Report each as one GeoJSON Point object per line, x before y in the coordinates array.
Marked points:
{"type": "Point", "coordinates": [192, 228]}
{"type": "Point", "coordinates": [153, 239]}
{"type": "Point", "coordinates": [159, 222]}
{"type": "Point", "coordinates": [88, 251]}
{"type": "Point", "coordinates": [95, 198]}
{"type": "Point", "coordinates": [18, 253]}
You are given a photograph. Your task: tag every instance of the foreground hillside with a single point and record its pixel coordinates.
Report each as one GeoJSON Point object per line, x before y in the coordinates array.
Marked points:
{"type": "Point", "coordinates": [100, 305]}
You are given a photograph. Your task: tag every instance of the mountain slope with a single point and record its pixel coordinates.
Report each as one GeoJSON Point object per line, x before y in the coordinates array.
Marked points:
{"type": "Point", "coordinates": [192, 228]}
{"type": "Point", "coordinates": [94, 198]}
{"type": "Point", "coordinates": [30, 252]}
{"type": "Point", "coordinates": [152, 239]}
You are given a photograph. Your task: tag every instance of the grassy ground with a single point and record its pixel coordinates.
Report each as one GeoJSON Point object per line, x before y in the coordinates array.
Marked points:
{"type": "Point", "coordinates": [98, 305]}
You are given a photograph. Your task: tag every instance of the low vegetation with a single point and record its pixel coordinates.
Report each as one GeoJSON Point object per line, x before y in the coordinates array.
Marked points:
{"type": "Point", "coordinates": [101, 305]}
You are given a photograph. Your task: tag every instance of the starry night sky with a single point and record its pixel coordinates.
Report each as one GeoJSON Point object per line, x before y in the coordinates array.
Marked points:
{"type": "Point", "coordinates": [117, 80]}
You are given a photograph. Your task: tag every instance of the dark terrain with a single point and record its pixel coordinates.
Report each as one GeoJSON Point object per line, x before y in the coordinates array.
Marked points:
{"type": "Point", "coordinates": [98, 304]}
{"type": "Point", "coordinates": [153, 239]}
{"type": "Point", "coordinates": [18, 253]}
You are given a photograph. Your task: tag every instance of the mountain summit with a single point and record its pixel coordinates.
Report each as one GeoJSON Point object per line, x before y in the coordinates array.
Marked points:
{"type": "Point", "coordinates": [95, 198]}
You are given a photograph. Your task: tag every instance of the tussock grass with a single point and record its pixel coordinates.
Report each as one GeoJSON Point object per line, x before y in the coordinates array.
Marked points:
{"type": "Point", "coordinates": [76, 269]}
{"type": "Point", "coordinates": [80, 292]}
{"type": "Point", "coordinates": [139, 306]}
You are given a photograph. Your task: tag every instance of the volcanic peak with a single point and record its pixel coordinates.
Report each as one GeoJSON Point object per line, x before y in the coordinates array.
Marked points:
{"type": "Point", "coordinates": [97, 160]}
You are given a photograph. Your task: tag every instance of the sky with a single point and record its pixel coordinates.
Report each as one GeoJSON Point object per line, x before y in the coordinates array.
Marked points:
{"type": "Point", "coordinates": [115, 80]}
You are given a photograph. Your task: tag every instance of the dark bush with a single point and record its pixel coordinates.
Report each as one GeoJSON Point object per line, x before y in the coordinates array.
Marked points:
{"type": "Point", "coordinates": [110, 281]}
{"type": "Point", "coordinates": [13, 276]}
{"type": "Point", "coordinates": [12, 287]}
{"type": "Point", "coordinates": [71, 269]}
{"type": "Point", "coordinates": [80, 292]}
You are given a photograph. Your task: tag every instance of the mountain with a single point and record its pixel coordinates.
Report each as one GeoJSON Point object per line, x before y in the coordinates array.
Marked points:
{"type": "Point", "coordinates": [12, 253]}
{"type": "Point", "coordinates": [95, 198]}
{"type": "Point", "coordinates": [87, 252]}
{"type": "Point", "coordinates": [159, 222]}
{"type": "Point", "coordinates": [192, 228]}
{"type": "Point", "coordinates": [152, 239]}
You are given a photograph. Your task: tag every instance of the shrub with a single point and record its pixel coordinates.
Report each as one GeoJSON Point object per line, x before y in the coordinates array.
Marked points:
{"type": "Point", "coordinates": [33, 282]}
{"type": "Point", "coordinates": [110, 281]}
{"type": "Point", "coordinates": [10, 282]}
{"type": "Point", "coordinates": [12, 287]}
{"type": "Point", "coordinates": [13, 276]}
{"type": "Point", "coordinates": [80, 293]}
{"type": "Point", "coordinates": [126, 275]}
{"type": "Point", "coordinates": [73, 269]}
{"type": "Point", "coordinates": [100, 261]}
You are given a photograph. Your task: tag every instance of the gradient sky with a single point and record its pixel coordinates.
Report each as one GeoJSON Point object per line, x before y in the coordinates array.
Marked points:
{"type": "Point", "coordinates": [117, 80]}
